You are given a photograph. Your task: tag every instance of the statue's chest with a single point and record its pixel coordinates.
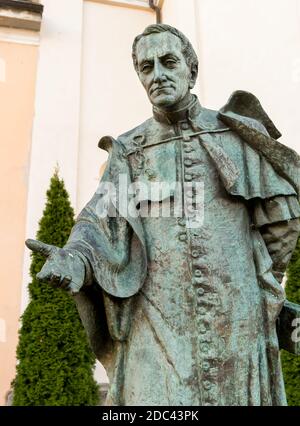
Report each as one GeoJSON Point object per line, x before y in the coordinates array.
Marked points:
{"type": "Point", "coordinates": [176, 164]}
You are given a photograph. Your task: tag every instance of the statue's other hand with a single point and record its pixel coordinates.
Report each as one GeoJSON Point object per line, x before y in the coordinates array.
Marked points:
{"type": "Point", "coordinates": [63, 268]}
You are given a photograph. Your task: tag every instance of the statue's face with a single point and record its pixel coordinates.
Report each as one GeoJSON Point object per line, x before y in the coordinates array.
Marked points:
{"type": "Point", "coordinates": [163, 70]}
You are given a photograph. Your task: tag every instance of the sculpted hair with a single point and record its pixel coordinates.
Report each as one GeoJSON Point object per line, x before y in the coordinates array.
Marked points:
{"type": "Point", "coordinates": [187, 48]}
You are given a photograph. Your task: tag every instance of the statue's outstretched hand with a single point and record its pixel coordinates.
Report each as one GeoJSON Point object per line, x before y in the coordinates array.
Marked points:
{"type": "Point", "coordinates": [63, 268]}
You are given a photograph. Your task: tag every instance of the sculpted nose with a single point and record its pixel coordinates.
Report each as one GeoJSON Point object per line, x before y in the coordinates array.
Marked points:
{"type": "Point", "coordinates": [159, 74]}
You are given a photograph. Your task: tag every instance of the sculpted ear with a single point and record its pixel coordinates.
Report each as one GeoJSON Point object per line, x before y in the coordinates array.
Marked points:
{"type": "Point", "coordinates": [194, 75]}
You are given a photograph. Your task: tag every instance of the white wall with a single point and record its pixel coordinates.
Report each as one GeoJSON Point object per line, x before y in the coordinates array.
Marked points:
{"type": "Point", "coordinates": [250, 45]}
{"type": "Point", "coordinates": [57, 105]}
{"type": "Point", "coordinates": [112, 98]}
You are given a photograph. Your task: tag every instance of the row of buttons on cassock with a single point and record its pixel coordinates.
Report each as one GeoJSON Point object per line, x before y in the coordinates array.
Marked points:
{"type": "Point", "coordinates": [198, 264]}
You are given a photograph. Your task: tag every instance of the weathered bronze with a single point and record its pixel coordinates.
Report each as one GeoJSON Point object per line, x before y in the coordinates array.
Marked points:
{"type": "Point", "coordinates": [184, 309]}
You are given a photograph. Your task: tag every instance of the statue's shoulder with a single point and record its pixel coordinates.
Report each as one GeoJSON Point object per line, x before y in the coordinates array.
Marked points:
{"type": "Point", "coordinates": [138, 133]}
{"type": "Point", "coordinates": [246, 117]}
{"type": "Point", "coordinates": [108, 143]}
{"type": "Point", "coordinates": [208, 119]}
{"type": "Point", "coordinates": [246, 108]}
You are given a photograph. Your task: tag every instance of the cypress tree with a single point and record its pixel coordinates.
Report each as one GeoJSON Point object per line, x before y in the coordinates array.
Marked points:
{"type": "Point", "coordinates": [55, 363]}
{"type": "Point", "coordinates": [290, 362]}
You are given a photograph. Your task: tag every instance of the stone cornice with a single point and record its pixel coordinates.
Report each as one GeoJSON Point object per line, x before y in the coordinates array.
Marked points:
{"type": "Point", "coordinates": [22, 14]}
{"type": "Point", "coordinates": [26, 5]}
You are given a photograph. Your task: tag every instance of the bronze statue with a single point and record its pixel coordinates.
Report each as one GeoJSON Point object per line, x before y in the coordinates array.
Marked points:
{"type": "Point", "coordinates": [187, 308]}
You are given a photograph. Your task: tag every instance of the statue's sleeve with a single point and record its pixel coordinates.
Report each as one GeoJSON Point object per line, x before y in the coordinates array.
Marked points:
{"type": "Point", "coordinates": [277, 219]}
{"type": "Point", "coordinates": [102, 243]}
{"type": "Point", "coordinates": [113, 250]}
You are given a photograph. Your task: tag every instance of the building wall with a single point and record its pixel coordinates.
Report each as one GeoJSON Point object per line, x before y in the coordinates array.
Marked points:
{"type": "Point", "coordinates": [18, 57]}
{"type": "Point", "coordinates": [112, 98]}
{"type": "Point", "coordinates": [250, 45]}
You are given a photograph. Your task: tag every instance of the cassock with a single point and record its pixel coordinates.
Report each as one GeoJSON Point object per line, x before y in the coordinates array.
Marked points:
{"type": "Point", "coordinates": [182, 315]}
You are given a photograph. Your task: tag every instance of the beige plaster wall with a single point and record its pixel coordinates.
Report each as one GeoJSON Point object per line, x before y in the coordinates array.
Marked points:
{"type": "Point", "coordinates": [17, 83]}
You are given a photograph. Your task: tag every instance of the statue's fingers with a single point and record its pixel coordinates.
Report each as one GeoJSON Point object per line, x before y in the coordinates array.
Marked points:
{"type": "Point", "coordinates": [40, 247]}
{"type": "Point", "coordinates": [55, 279]}
{"type": "Point", "coordinates": [44, 275]}
{"type": "Point", "coordinates": [74, 288]}
{"type": "Point", "coordinates": [65, 282]}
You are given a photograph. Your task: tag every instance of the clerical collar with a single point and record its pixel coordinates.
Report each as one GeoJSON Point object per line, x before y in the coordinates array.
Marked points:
{"type": "Point", "coordinates": [173, 117]}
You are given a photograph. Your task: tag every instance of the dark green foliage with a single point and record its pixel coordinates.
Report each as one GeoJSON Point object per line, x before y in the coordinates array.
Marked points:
{"type": "Point", "coordinates": [291, 363]}
{"type": "Point", "coordinates": [55, 362]}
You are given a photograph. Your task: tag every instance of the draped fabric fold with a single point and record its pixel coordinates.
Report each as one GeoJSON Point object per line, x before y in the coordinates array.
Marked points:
{"type": "Point", "coordinates": [244, 171]}
{"type": "Point", "coordinates": [245, 116]}
{"type": "Point", "coordinates": [277, 209]}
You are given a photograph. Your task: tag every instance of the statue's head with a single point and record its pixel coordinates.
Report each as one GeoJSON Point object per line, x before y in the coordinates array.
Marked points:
{"type": "Point", "coordinates": [166, 64]}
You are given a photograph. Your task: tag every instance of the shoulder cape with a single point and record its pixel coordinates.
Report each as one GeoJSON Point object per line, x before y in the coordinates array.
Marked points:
{"type": "Point", "coordinates": [244, 114]}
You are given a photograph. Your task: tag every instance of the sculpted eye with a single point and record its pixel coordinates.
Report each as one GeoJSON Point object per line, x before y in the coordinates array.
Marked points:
{"type": "Point", "coordinates": [170, 63]}
{"type": "Point", "coordinates": [146, 68]}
